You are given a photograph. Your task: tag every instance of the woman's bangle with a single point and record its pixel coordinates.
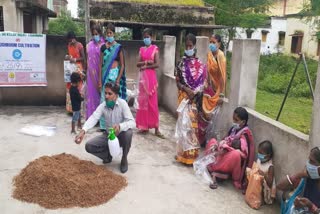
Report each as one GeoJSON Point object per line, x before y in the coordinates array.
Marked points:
{"type": "Point", "coordinates": [288, 177]}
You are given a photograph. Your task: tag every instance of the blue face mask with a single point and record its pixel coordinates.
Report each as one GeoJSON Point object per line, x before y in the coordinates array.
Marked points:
{"type": "Point", "coordinates": [110, 39]}
{"type": "Point", "coordinates": [313, 170]}
{"type": "Point", "coordinates": [147, 41]}
{"type": "Point", "coordinates": [96, 38]}
{"type": "Point", "coordinates": [213, 47]}
{"type": "Point", "coordinates": [189, 52]}
{"type": "Point", "coordinates": [110, 103]}
{"type": "Point", "coordinates": [261, 157]}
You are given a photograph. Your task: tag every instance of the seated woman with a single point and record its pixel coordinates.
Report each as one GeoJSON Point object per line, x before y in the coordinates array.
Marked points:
{"type": "Point", "coordinates": [306, 186]}
{"type": "Point", "coordinates": [233, 157]}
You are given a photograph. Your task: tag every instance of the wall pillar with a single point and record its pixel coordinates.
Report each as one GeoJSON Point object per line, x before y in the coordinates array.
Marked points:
{"type": "Point", "coordinates": [315, 125]}
{"type": "Point", "coordinates": [244, 72]}
{"type": "Point", "coordinates": [202, 47]}
{"type": "Point", "coordinates": [169, 52]}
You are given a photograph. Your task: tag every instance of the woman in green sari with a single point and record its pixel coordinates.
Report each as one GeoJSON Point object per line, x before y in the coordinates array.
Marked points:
{"type": "Point", "coordinates": [112, 66]}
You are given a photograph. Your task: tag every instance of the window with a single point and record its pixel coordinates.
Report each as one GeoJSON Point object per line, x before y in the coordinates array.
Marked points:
{"type": "Point", "coordinates": [282, 36]}
{"type": "Point", "coordinates": [318, 50]}
{"type": "Point", "coordinates": [1, 19]}
{"type": "Point", "coordinates": [264, 34]}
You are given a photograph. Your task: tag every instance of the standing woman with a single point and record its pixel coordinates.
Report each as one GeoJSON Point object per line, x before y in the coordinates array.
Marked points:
{"type": "Point", "coordinates": [112, 66]}
{"type": "Point", "coordinates": [190, 76]}
{"type": "Point", "coordinates": [147, 116]}
{"type": "Point", "coordinates": [93, 72]}
{"type": "Point", "coordinates": [214, 85]}
{"type": "Point", "coordinates": [75, 55]}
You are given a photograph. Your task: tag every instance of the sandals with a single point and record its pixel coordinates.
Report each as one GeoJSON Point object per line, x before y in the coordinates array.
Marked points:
{"type": "Point", "coordinates": [143, 132]}
{"type": "Point", "coordinates": [214, 185]}
{"type": "Point", "coordinates": [159, 135]}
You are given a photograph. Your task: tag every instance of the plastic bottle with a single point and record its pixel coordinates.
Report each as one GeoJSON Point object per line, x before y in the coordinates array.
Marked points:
{"type": "Point", "coordinates": [113, 142]}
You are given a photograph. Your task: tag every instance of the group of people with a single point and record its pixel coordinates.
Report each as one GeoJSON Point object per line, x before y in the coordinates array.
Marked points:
{"type": "Point", "coordinates": [201, 87]}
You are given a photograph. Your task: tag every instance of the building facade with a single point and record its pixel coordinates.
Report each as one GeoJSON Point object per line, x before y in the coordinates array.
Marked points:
{"type": "Point", "coordinates": [25, 16]}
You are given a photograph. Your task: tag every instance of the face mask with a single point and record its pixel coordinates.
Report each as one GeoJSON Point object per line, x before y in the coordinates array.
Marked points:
{"type": "Point", "coordinates": [313, 170]}
{"type": "Point", "coordinates": [236, 126]}
{"type": "Point", "coordinates": [110, 39]}
{"type": "Point", "coordinates": [189, 52]}
{"type": "Point", "coordinates": [110, 103]}
{"type": "Point", "coordinates": [261, 157]}
{"type": "Point", "coordinates": [147, 41]}
{"type": "Point", "coordinates": [96, 38]}
{"type": "Point", "coordinates": [213, 47]}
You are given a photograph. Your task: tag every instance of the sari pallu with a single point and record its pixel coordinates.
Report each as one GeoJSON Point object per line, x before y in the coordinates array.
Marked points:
{"type": "Point", "coordinates": [147, 116]}
{"type": "Point", "coordinates": [93, 92]}
{"type": "Point", "coordinates": [74, 51]}
{"type": "Point", "coordinates": [109, 56]}
{"type": "Point", "coordinates": [191, 73]}
{"type": "Point", "coordinates": [233, 163]}
{"type": "Point", "coordinates": [214, 86]}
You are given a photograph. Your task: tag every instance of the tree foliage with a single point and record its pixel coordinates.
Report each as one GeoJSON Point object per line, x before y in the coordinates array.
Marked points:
{"type": "Point", "coordinates": [249, 14]}
{"type": "Point", "coordinates": [81, 9]}
{"type": "Point", "coordinates": [65, 23]}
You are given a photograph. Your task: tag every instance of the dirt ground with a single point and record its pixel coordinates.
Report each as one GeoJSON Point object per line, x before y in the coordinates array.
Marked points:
{"type": "Point", "coordinates": [156, 183]}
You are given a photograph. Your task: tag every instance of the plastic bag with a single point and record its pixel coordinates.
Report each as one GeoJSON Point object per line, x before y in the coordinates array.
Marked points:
{"type": "Point", "coordinates": [200, 167]}
{"type": "Point", "coordinates": [69, 68]}
{"type": "Point", "coordinates": [211, 130]}
{"type": "Point", "coordinates": [253, 195]}
{"type": "Point", "coordinates": [37, 131]}
{"type": "Point", "coordinates": [185, 133]}
{"type": "Point", "coordinates": [142, 91]}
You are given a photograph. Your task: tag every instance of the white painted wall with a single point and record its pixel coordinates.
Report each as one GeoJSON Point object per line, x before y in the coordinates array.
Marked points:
{"type": "Point", "coordinates": [271, 44]}
{"type": "Point", "coordinates": [309, 42]}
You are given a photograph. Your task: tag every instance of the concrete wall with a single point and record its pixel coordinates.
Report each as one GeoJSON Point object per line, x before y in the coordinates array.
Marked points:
{"type": "Point", "coordinates": [13, 18]}
{"type": "Point", "coordinates": [54, 93]}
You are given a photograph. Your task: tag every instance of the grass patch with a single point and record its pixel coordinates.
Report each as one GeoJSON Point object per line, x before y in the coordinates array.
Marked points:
{"type": "Point", "coordinates": [169, 2]}
{"type": "Point", "coordinates": [275, 72]}
{"type": "Point", "coordinates": [296, 113]}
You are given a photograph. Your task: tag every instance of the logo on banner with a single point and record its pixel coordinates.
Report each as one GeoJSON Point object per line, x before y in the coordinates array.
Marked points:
{"type": "Point", "coordinates": [16, 54]}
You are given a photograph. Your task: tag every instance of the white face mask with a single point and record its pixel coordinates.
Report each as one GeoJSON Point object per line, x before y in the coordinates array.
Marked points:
{"type": "Point", "coordinates": [236, 125]}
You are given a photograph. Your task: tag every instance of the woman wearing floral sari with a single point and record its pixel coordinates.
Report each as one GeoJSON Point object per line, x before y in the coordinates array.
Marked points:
{"type": "Point", "coordinates": [112, 66]}
{"type": "Point", "coordinates": [190, 75]}
{"type": "Point", "coordinates": [147, 116]}
{"type": "Point", "coordinates": [234, 153]}
{"type": "Point", "coordinates": [214, 84]}
{"type": "Point", "coordinates": [75, 55]}
{"type": "Point", "coordinates": [93, 54]}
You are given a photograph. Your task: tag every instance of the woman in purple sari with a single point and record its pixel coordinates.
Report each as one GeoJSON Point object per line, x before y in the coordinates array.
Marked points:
{"type": "Point", "coordinates": [93, 54]}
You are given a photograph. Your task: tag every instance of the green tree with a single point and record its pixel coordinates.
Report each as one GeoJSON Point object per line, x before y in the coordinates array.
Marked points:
{"type": "Point", "coordinates": [65, 23]}
{"type": "Point", "coordinates": [311, 14]}
{"type": "Point", "coordinates": [81, 10]}
{"type": "Point", "coordinates": [248, 14]}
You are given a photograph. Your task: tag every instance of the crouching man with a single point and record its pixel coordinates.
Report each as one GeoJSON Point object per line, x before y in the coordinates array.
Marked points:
{"type": "Point", "coordinates": [118, 116]}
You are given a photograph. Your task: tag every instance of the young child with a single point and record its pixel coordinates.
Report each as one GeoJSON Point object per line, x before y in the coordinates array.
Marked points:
{"type": "Point", "coordinates": [266, 169]}
{"type": "Point", "coordinates": [76, 99]}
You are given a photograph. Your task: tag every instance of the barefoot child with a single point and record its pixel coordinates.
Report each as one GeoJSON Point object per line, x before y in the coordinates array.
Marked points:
{"type": "Point", "coordinates": [76, 99]}
{"type": "Point", "coordinates": [266, 169]}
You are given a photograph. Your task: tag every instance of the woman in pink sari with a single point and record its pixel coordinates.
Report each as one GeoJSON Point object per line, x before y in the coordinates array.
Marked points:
{"type": "Point", "coordinates": [93, 54]}
{"type": "Point", "coordinates": [234, 153]}
{"type": "Point", "coordinates": [147, 116]}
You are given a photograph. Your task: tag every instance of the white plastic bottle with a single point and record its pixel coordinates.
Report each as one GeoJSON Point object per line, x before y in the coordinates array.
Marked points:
{"type": "Point", "coordinates": [113, 142]}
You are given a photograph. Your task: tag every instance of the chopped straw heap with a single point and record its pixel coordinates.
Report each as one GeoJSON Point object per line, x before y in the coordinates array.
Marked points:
{"type": "Point", "coordinates": [63, 181]}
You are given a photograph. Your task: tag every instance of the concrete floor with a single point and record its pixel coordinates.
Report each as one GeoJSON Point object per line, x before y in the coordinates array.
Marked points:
{"type": "Point", "coordinates": [156, 183]}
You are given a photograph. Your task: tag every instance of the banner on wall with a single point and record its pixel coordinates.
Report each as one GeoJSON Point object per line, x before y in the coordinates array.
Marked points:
{"type": "Point", "coordinates": [22, 59]}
